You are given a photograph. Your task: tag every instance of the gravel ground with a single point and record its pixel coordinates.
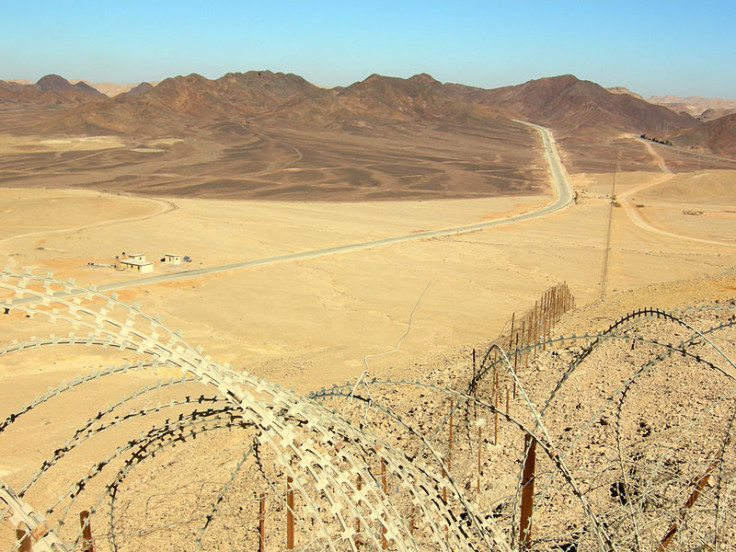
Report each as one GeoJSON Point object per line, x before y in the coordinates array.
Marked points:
{"type": "Point", "coordinates": [633, 424]}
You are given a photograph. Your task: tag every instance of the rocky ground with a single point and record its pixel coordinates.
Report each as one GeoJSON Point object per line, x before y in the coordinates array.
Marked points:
{"type": "Point", "coordinates": [633, 423]}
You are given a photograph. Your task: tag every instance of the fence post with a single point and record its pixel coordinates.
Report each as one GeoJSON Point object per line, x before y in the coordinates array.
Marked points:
{"type": "Point", "coordinates": [516, 358]}
{"type": "Point", "coordinates": [480, 448]}
{"type": "Point", "coordinates": [289, 514]}
{"type": "Point", "coordinates": [528, 342]}
{"type": "Point", "coordinates": [262, 523]}
{"type": "Point", "coordinates": [358, 486]}
{"type": "Point", "coordinates": [523, 332]}
{"type": "Point", "coordinates": [24, 538]}
{"type": "Point", "coordinates": [87, 543]}
{"type": "Point", "coordinates": [527, 493]}
{"type": "Point", "coordinates": [495, 422]}
{"type": "Point", "coordinates": [511, 333]}
{"type": "Point", "coordinates": [543, 319]}
{"type": "Point", "coordinates": [449, 448]}
{"type": "Point", "coordinates": [474, 382]}
{"type": "Point", "coordinates": [384, 485]}
{"type": "Point", "coordinates": [699, 484]}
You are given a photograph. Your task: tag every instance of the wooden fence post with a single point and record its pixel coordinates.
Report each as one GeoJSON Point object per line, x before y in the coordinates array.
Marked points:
{"type": "Point", "coordinates": [449, 448]}
{"type": "Point", "coordinates": [528, 342]}
{"type": "Point", "coordinates": [87, 543]}
{"type": "Point", "coordinates": [472, 381]}
{"type": "Point", "coordinates": [24, 538]}
{"type": "Point", "coordinates": [511, 333]}
{"type": "Point", "coordinates": [480, 448]}
{"type": "Point", "coordinates": [495, 422]}
{"type": "Point", "coordinates": [289, 514]}
{"type": "Point", "coordinates": [359, 486]}
{"type": "Point", "coordinates": [262, 523]}
{"type": "Point", "coordinates": [384, 485]}
{"type": "Point", "coordinates": [699, 484]}
{"type": "Point", "coordinates": [527, 493]}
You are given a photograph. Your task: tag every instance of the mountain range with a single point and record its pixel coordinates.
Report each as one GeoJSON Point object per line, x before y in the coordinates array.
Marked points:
{"type": "Point", "coordinates": [189, 104]}
{"type": "Point", "coordinates": [51, 89]}
{"type": "Point", "coordinates": [703, 109]}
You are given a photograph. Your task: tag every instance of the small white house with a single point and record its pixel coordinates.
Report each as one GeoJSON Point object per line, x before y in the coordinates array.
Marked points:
{"type": "Point", "coordinates": [136, 266]}
{"type": "Point", "coordinates": [171, 258]}
{"type": "Point", "coordinates": [136, 257]}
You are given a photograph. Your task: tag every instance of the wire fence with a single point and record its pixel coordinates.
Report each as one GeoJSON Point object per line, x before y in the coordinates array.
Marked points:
{"type": "Point", "coordinates": [617, 440]}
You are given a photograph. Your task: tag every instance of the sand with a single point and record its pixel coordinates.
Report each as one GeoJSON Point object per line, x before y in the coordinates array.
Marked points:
{"type": "Point", "coordinates": [312, 322]}
{"type": "Point", "coordinates": [309, 323]}
{"type": "Point", "coordinates": [34, 144]}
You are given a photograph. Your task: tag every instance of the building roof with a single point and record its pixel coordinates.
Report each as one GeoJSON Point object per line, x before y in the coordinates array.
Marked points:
{"type": "Point", "coordinates": [136, 263]}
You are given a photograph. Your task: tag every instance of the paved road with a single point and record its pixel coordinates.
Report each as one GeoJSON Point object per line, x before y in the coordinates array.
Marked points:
{"type": "Point", "coordinates": [563, 196]}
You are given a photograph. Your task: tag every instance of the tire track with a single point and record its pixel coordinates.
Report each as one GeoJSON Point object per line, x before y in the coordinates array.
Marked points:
{"type": "Point", "coordinates": [562, 197]}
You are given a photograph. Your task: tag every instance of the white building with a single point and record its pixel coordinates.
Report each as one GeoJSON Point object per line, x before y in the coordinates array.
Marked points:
{"type": "Point", "coordinates": [136, 266]}
{"type": "Point", "coordinates": [136, 257]}
{"type": "Point", "coordinates": [171, 258]}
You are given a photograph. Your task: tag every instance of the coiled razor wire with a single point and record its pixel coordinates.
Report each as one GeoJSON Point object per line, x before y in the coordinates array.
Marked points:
{"type": "Point", "coordinates": [367, 474]}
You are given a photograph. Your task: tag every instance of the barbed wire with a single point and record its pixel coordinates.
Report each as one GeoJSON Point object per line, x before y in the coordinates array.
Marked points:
{"type": "Point", "coordinates": [386, 472]}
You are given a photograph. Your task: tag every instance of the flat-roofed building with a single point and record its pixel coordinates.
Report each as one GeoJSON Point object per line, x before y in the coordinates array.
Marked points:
{"type": "Point", "coordinates": [171, 258]}
{"type": "Point", "coordinates": [136, 257]}
{"type": "Point", "coordinates": [136, 266]}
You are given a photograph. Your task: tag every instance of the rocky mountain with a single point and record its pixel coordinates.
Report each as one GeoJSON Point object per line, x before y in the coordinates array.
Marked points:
{"type": "Point", "coordinates": [178, 103]}
{"type": "Point", "coordinates": [623, 90]}
{"type": "Point", "coordinates": [718, 135]}
{"type": "Point", "coordinates": [49, 90]}
{"type": "Point", "coordinates": [111, 89]}
{"type": "Point", "coordinates": [703, 109]}
{"type": "Point", "coordinates": [568, 103]}
{"type": "Point", "coordinates": [581, 112]}
{"type": "Point", "coordinates": [140, 88]}
{"type": "Point", "coordinates": [564, 103]}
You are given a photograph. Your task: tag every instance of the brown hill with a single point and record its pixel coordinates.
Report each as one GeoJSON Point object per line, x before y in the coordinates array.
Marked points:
{"type": "Point", "coordinates": [380, 104]}
{"type": "Point", "coordinates": [718, 135]}
{"type": "Point", "coordinates": [111, 89]}
{"type": "Point", "coordinates": [393, 98]}
{"type": "Point", "coordinates": [83, 86]}
{"type": "Point", "coordinates": [140, 88]}
{"type": "Point", "coordinates": [568, 103]}
{"type": "Point", "coordinates": [51, 90]}
{"type": "Point", "coordinates": [564, 103]}
{"type": "Point", "coordinates": [623, 90]}
{"type": "Point", "coordinates": [703, 109]}
{"type": "Point", "coordinates": [182, 102]}
{"type": "Point", "coordinates": [11, 92]}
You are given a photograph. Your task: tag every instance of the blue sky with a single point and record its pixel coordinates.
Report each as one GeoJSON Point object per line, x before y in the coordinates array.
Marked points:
{"type": "Point", "coordinates": [651, 47]}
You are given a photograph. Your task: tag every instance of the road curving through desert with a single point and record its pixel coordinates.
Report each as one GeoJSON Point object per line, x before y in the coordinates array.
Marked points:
{"type": "Point", "coordinates": [562, 197]}
{"type": "Point", "coordinates": [635, 215]}
{"type": "Point", "coordinates": [164, 206]}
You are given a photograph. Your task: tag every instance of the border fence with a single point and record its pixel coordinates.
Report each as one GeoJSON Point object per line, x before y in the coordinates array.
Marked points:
{"type": "Point", "coordinates": [617, 440]}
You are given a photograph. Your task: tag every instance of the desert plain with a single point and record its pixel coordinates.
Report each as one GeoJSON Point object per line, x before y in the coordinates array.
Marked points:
{"type": "Point", "coordinates": [310, 322]}
{"type": "Point", "coordinates": [655, 232]}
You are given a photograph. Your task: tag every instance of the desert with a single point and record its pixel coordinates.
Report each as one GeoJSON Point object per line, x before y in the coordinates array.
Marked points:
{"type": "Point", "coordinates": [382, 295]}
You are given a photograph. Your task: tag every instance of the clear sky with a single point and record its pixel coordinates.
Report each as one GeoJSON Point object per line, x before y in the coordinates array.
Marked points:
{"type": "Point", "coordinates": [651, 47]}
